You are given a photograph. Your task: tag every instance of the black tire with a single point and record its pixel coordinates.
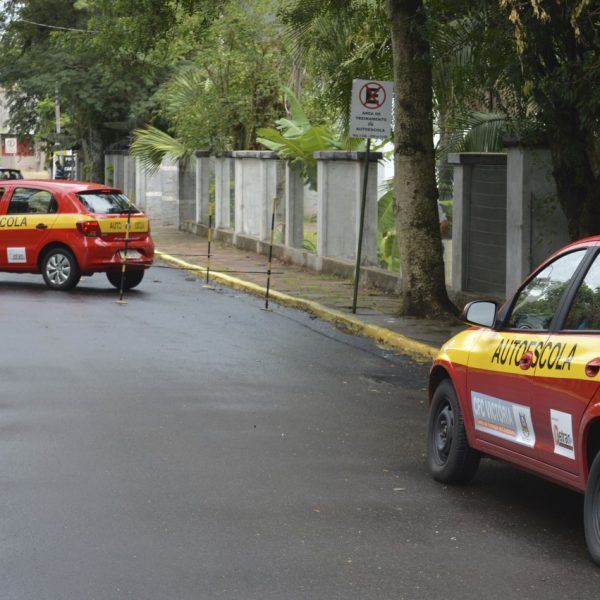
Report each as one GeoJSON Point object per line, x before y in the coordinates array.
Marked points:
{"type": "Point", "coordinates": [60, 269]}
{"type": "Point", "coordinates": [449, 456]}
{"type": "Point", "coordinates": [132, 278]}
{"type": "Point", "coordinates": [591, 511]}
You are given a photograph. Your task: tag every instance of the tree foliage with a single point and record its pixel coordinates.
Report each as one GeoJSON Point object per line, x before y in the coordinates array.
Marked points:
{"type": "Point", "coordinates": [334, 42]}
{"type": "Point", "coordinates": [558, 45]}
{"type": "Point", "coordinates": [98, 58]}
{"type": "Point", "coordinates": [228, 81]}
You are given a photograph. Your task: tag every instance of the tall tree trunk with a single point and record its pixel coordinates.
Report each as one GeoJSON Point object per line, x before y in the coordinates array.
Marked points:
{"type": "Point", "coordinates": [93, 153]}
{"type": "Point", "coordinates": [421, 254]}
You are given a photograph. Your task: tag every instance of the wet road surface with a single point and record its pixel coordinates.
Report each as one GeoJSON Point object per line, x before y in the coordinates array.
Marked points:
{"type": "Point", "coordinates": [189, 445]}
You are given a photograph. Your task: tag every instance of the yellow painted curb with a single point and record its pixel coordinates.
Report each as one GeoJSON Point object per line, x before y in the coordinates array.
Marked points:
{"type": "Point", "coordinates": [385, 337]}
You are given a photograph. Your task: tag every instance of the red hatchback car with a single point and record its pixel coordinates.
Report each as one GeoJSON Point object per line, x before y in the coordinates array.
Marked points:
{"type": "Point", "coordinates": [523, 384]}
{"type": "Point", "coordinates": [66, 229]}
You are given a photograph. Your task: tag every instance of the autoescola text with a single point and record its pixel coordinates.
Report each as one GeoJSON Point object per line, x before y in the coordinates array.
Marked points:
{"type": "Point", "coordinates": [548, 355]}
{"type": "Point", "coordinates": [13, 221]}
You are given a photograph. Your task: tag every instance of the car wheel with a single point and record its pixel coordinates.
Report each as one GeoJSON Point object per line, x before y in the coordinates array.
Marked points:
{"type": "Point", "coordinates": [449, 456]}
{"type": "Point", "coordinates": [132, 278]}
{"type": "Point", "coordinates": [591, 511]}
{"type": "Point", "coordinates": [60, 269]}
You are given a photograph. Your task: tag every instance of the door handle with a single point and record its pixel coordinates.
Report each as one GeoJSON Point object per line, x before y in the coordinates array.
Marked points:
{"type": "Point", "coordinates": [593, 367]}
{"type": "Point", "coordinates": [526, 360]}
{"type": "Point", "coordinates": [41, 226]}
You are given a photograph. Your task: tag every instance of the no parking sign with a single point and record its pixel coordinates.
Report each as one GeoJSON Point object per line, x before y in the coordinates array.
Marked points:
{"type": "Point", "coordinates": [370, 117]}
{"type": "Point", "coordinates": [371, 109]}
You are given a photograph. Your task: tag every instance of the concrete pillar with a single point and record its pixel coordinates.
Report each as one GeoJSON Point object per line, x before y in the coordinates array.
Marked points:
{"type": "Point", "coordinates": [129, 172]}
{"type": "Point", "coordinates": [115, 169]}
{"type": "Point", "coordinates": [340, 182]}
{"type": "Point", "coordinates": [294, 206]}
{"type": "Point", "coordinates": [187, 190]}
{"type": "Point", "coordinates": [479, 246]}
{"type": "Point", "coordinates": [140, 186]}
{"type": "Point", "coordinates": [158, 193]}
{"type": "Point", "coordinates": [536, 225]}
{"type": "Point", "coordinates": [202, 185]}
{"type": "Point", "coordinates": [223, 178]}
{"type": "Point", "coordinates": [255, 188]}
{"type": "Point", "coordinates": [460, 217]}
{"type": "Point", "coordinates": [120, 170]}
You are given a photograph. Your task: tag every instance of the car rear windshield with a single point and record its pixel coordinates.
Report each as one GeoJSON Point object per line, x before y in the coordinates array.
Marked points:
{"type": "Point", "coordinates": [106, 203]}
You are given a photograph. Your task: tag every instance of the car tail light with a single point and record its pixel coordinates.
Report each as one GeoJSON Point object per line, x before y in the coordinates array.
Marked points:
{"type": "Point", "coordinates": [89, 228]}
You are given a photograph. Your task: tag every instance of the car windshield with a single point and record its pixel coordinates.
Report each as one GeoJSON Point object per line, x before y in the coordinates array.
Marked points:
{"type": "Point", "coordinates": [106, 203]}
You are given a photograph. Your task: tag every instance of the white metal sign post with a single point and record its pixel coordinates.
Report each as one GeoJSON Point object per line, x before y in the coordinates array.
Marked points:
{"type": "Point", "coordinates": [370, 117]}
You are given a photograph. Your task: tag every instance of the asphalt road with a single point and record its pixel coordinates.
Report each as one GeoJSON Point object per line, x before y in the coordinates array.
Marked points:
{"type": "Point", "coordinates": [189, 445]}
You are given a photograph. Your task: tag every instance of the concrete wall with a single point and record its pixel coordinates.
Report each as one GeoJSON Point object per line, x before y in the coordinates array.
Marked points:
{"type": "Point", "coordinates": [506, 219]}
{"type": "Point", "coordinates": [255, 188]}
{"type": "Point", "coordinates": [506, 216]}
{"type": "Point", "coordinates": [224, 179]}
{"type": "Point", "coordinates": [119, 171]}
{"type": "Point", "coordinates": [536, 224]}
{"type": "Point", "coordinates": [203, 177]}
{"type": "Point", "coordinates": [294, 206]}
{"type": "Point", "coordinates": [187, 190]}
{"type": "Point", "coordinates": [157, 193]}
{"type": "Point", "coordinates": [340, 177]}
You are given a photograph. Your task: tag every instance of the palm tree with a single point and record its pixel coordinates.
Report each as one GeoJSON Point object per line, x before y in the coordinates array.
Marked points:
{"type": "Point", "coordinates": [151, 146]}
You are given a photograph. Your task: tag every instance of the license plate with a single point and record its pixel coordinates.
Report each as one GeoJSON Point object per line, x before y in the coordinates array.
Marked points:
{"type": "Point", "coordinates": [130, 255]}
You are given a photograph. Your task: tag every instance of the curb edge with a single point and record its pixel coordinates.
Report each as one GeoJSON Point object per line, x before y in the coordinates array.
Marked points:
{"type": "Point", "coordinates": [385, 337]}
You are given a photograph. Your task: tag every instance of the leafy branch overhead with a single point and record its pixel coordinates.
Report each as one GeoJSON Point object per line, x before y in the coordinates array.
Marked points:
{"type": "Point", "coordinates": [151, 146]}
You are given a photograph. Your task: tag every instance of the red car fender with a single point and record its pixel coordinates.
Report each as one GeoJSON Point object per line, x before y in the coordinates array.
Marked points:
{"type": "Point", "coordinates": [452, 363]}
{"type": "Point", "coordinates": [591, 419]}
{"type": "Point", "coordinates": [453, 360]}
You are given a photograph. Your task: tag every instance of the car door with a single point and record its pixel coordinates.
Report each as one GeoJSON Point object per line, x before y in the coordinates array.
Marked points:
{"type": "Point", "coordinates": [29, 213]}
{"type": "Point", "coordinates": [502, 366]}
{"type": "Point", "coordinates": [565, 386]}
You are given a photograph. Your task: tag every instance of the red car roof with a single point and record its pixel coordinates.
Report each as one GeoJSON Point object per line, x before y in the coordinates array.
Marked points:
{"type": "Point", "coordinates": [62, 185]}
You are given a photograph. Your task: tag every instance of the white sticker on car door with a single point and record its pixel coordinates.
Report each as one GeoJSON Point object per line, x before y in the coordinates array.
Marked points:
{"type": "Point", "coordinates": [16, 255]}
{"type": "Point", "coordinates": [562, 433]}
{"type": "Point", "coordinates": [506, 420]}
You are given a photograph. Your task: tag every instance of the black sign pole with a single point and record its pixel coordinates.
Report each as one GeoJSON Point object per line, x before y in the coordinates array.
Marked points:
{"type": "Point", "coordinates": [210, 224]}
{"type": "Point", "coordinates": [124, 256]}
{"type": "Point", "coordinates": [270, 264]}
{"type": "Point", "coordinates": [361, 226]}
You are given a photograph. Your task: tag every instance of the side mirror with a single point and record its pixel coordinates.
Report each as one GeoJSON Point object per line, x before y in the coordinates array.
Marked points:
{"type": "Point", "coordinates": [481, 313]}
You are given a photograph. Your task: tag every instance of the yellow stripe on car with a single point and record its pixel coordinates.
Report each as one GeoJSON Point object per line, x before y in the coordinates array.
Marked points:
{"type": "Point", "coordinates": [69, 221]}
{"type": "Point", "coordinates": [553, 355]}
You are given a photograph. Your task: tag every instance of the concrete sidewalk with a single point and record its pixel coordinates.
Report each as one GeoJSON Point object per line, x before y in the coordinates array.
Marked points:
{"type": "Point", "coordinates": [327, 297]}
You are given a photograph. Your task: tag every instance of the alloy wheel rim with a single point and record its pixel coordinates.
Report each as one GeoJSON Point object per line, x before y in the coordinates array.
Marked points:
{"type": "Point", "coordinates": [58, 269]}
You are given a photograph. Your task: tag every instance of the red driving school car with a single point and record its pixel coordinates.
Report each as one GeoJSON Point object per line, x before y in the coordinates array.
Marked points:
{"type": "Point", "coordinates": [66, 229]}
{"type": "Point", "coordinates": [523, 383]}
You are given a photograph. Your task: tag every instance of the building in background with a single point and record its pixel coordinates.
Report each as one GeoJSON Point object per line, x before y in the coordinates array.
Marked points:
{"type": "Point", "coordinates": [18, 152]}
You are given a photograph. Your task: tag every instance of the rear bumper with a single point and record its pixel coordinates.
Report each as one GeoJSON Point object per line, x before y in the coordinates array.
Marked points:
{"type": "Point", "coordinates": [98, 254]}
